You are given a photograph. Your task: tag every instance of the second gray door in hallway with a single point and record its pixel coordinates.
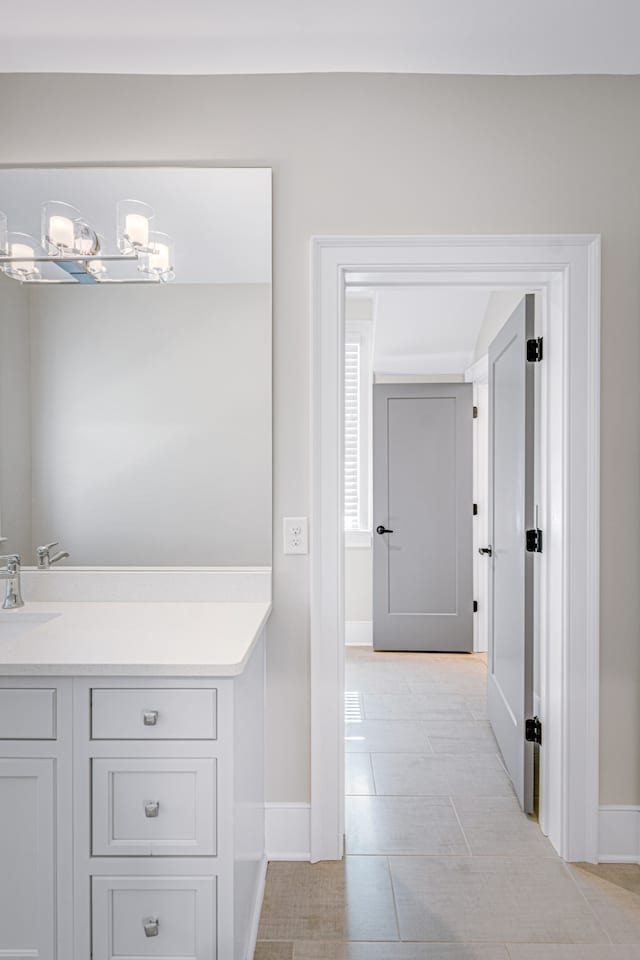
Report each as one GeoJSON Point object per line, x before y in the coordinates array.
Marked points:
{"type": "Point", "coordinates": [422, 495]}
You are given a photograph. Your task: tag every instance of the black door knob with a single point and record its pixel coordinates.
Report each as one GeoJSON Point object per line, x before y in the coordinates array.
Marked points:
{"type": "Point", "coordinates": [485, 551]}
{"type": "Point", "coordinates": [382, 529]}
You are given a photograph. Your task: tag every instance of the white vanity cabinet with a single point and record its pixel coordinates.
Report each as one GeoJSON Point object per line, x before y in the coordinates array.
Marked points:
{"type": "Point", "coordinates": [132, 815]}
{"type": "Point", "coordinates": [35, 818]}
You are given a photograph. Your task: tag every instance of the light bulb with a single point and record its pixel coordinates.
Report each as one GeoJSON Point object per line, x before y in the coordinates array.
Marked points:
{"type": "Point", "coordinates": [134, 226]}
{"type": "Point", "coordinates": [21, 245]}
{"type": "Point", "coordinates": [158, 262]}
{"type": "Point", "coordinates": [61, 232]}
{"type": "Point", "coordinates": [136, 230]}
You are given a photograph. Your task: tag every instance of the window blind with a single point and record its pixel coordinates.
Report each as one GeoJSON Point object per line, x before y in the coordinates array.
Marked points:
{"type": "Point", "coordinates": [352, 465]}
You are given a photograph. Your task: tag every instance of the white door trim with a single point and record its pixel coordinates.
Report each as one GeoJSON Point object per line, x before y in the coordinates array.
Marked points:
{"type": "Point", "coordinates": [566, 271]}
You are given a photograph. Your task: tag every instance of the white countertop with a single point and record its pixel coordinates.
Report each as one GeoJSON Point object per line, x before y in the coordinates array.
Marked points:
{"type": "Point", "coordinates": [130, 639]}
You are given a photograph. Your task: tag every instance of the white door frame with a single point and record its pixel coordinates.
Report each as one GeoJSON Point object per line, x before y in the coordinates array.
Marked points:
{"type": "Point", "coordinates": [566, 271]}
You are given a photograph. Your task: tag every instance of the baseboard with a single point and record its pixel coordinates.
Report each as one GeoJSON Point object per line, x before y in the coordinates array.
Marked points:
{"type": "Point", "coordinates": [358, 633]}
{"type": "Point", "coordinates": [257, 910]}
{"type": "Point", "coordinates": [288, 831]}
{"type": "Point", "coordinates": [619, 834]}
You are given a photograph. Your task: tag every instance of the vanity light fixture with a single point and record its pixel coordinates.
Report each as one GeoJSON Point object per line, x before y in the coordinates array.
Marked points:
{"type": "Point", "coordinates": [4, 249]}
{"type": "Point", "coordinates": [65, 232]}
{"type": "Point", "coordinates": [98, 268]}
{"type": "Point", "coordinates": [71, 243]}
{"type": "Point", "coordinates": [22, 257]}
{"type": "Point", "coordinates": [134, 226]}
{"type": "Point", "coordinates": [158, 261]}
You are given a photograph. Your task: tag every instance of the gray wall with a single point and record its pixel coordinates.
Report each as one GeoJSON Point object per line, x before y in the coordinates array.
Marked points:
{"type": "Point", "coordinates": [393, 155]}
{"type": "Point", "coordinates": [358, 583]}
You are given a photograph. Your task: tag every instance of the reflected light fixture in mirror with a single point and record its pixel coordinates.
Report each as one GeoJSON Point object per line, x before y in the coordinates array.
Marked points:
{"type": "Point", "coordinates": [4, 250]}
{"type": "Point", "coordinates": [98, 268]}
{"type": "Point", "coordinates": [64, 231]}
{"type": "Point", "coordinates": [159, 261]}
{"type": "Point", "coordinates": [71, 245]}
{"type": "Point", "coordinates": [22, 245]}
{"type": "Point", "coordinates": [133, 229]}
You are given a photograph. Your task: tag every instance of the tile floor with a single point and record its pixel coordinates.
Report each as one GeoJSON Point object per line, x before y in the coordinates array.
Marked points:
{"type": "Point", "coordinates": [440, 862]}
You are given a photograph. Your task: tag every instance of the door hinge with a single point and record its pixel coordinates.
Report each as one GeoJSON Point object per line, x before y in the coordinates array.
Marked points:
{"type": "Point", "coordinates": [533, 730]}
{"type": "Point", "coordinates": [475, 413]}
{"type": "Point", "coordinates": [534, 350]}
{"type": "Point", "coordinates": [534, 541]}
{"type": "Point", "coordinates": [475, 606]}
{"type": "Point", "coordinates": [475, 509]}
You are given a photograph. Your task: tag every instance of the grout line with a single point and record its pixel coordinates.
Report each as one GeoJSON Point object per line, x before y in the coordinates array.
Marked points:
{"type": "Point", "coordinates": [426, 753]}
{"type": "Point", "coordinates": [512, 857]}
{"type": "Point", "coordinates": [457, 816]}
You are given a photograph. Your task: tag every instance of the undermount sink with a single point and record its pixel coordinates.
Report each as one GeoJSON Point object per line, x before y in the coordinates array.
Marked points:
{"type": "Point", "coordinates": [15, 623]}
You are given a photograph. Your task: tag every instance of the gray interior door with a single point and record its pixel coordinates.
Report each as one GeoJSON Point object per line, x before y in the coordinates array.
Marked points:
{"type": "Point", "coordinates": [422, 517]}
{"type": "Point", "coordinates": [511, 477]}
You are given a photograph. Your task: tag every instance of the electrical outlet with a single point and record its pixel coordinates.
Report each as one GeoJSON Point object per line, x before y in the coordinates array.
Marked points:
{"type": "Point", "coordinates": [295, 535]}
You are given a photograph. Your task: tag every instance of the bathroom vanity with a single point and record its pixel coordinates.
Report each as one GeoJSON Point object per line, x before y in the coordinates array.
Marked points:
{"type": "Point", "coordinates": [131, 780]}
{"type": "Point", "coordinates": [135, 430]}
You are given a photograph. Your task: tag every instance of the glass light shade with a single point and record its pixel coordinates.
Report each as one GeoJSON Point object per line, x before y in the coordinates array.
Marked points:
{"type": "Point", "coordinates": [3, 234]}
{"type": "Point", "coordinates": [159, 262]}
{"type": "Point", "coordinates": [64, 231]}
{"type": "Point", "coordinates": [21, 245]}
{"type": "Point", "coordinates": [98, 269]}
{"type": "Point", "coordinates": [134, 226]}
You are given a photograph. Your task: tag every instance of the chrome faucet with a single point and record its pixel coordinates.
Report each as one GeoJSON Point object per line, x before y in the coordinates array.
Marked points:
{"type": "Point", "coordinates": [11, 573]}
{"type": "Point", "coordinates": [45, 560]}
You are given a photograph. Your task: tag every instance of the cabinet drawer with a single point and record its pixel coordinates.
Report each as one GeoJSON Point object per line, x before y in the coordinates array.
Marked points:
{"type": "Point", "coordinates": [154, 917]}
{"type": "Point", "coordinates": [158, 807]}
{"type": "Point", "coordinates": [27, 713]}
{"type": "Point", "coordinates": [153, 714]}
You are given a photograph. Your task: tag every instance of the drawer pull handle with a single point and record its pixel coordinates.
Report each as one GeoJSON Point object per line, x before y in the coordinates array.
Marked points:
{"type": "Point", "coordinates": [150, 718]}
{"type": "Point", "coordinates": [151, 808]}
{"type": "Point", "coordinates": [151, 926]}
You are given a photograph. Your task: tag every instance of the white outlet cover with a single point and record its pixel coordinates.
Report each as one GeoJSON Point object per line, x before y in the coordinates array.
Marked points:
{"type": "Point", "coordinates": [295, 535]}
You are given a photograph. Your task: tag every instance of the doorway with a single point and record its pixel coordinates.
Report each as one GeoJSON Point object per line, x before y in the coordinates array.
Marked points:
{"type": "Point", "coordinates": [421, 468]}
{"type": "Point", "coordinates": [566, 271]}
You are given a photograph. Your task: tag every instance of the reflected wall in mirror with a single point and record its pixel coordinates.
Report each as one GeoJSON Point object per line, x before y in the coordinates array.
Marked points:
{"type": "Point", "coordinates": [136, 417]}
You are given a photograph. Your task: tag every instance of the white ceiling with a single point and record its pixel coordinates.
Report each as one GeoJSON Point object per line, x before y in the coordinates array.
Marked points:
{"type": "Point", "coordinates": [298, 36]}
{"type": "Point", "coordinates": [427, 330]}
{"type": "Point", "coordinates": [219, 218]}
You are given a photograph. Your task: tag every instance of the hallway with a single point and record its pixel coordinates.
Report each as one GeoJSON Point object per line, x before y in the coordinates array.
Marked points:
{"type": "Point", "coordinates": [440, 863]}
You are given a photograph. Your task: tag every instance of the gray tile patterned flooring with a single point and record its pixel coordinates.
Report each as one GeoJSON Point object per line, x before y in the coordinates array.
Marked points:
{"type": "Point", "coordinates": [440, 862]}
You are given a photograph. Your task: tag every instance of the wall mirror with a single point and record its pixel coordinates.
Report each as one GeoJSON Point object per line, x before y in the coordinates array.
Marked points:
{"type": "Point", "coordinates": [135, 365]}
